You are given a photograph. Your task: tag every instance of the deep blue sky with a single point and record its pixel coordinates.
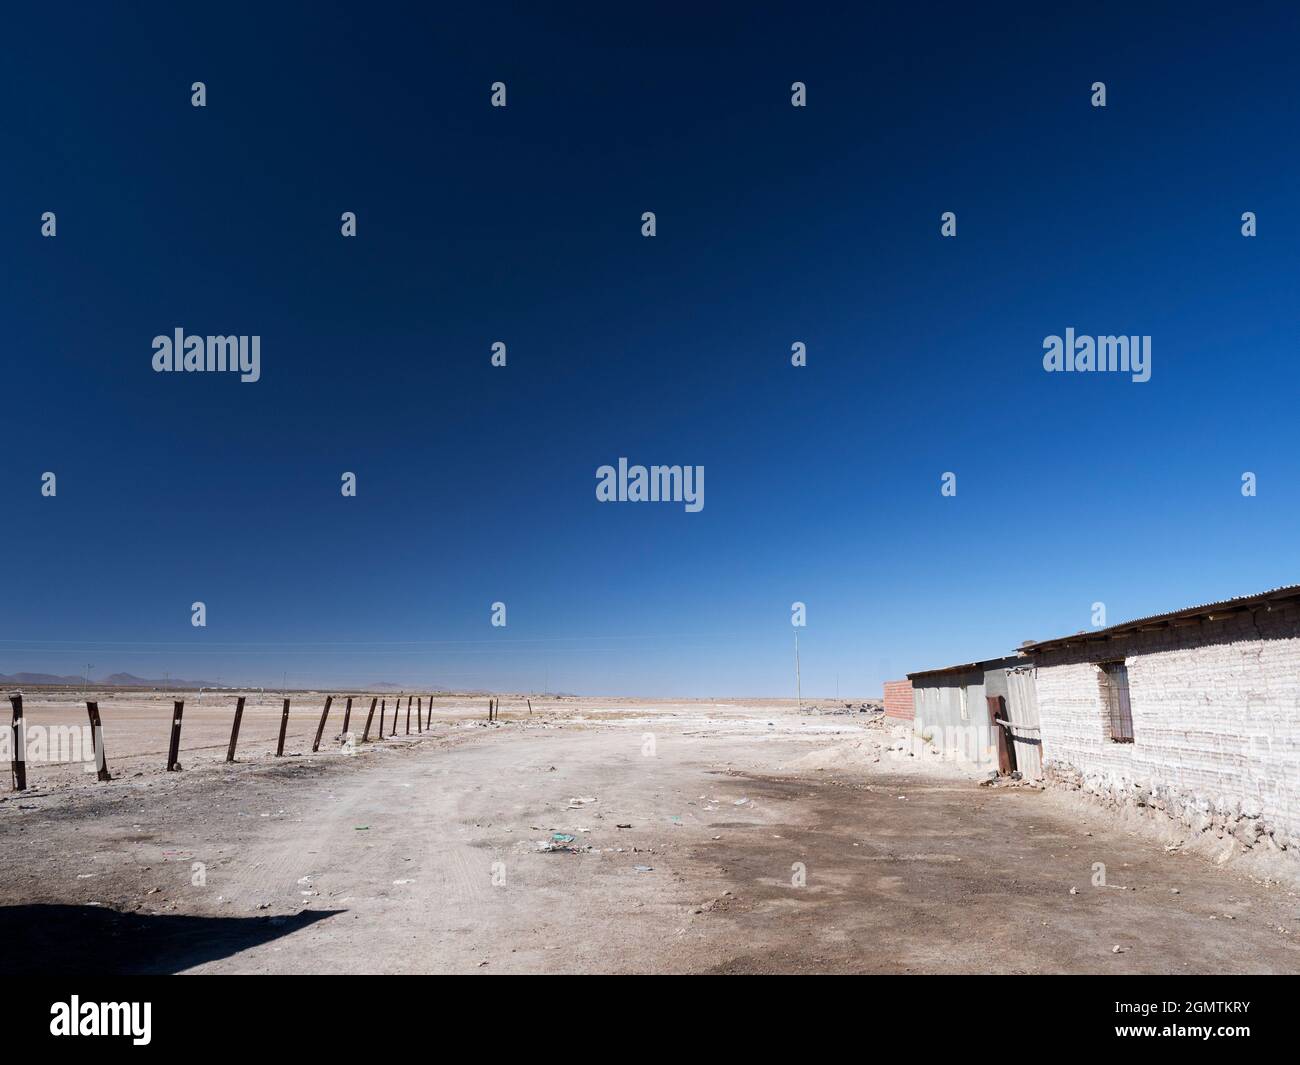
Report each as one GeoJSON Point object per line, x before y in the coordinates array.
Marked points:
{"type": "Point", "coordinates": [776, 224]}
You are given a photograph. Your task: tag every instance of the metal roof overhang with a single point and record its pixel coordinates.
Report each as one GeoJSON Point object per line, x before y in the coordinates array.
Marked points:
{"type": "Point", "coordinates": [1174, 619]}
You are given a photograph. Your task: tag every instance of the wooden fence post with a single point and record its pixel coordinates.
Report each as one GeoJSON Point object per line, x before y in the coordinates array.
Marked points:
{"type": "Point", "coordinates": [97, 739]}
{"type": "Point", "coordinates": [174, 748]}
{"type": "Point", "coordinates": [530, 708]}
{"type": "Point", "coordinates": [320, 729]}
{"type": "Point", "coordinates": [419, 714]}
{"type": "Point", "coordinates": [408, 715]}
{"type": "Point", "coordinates": [383, 707]}
{"type": "Point", "coordinates": [284, 724]}
{"type": "Point", "coordinates": [18, 765]}
{"type": "Point", "coordinates": [397, 705]}
{"type": "Point", "coordinates": [365, 736]}
{"type": "Point", "coordinates": [234, 731]}
{"type": "Point", "coordinates": [347, 717]}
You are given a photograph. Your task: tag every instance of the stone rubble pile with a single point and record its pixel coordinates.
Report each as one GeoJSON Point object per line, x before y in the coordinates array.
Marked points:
{"type": "Point", "coordinates": [1240, 819]}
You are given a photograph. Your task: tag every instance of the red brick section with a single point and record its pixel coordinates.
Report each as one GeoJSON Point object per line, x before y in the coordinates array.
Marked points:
{"type": "Point", "coordinates": [898, 699]}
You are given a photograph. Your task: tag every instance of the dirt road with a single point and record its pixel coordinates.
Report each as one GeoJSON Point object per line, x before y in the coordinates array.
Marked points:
{"type": "Point", "coordinates": [423, 856]}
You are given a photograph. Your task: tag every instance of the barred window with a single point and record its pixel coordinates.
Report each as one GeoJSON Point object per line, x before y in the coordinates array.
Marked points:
{"type": "Point", "coordinates": [1114, 692]}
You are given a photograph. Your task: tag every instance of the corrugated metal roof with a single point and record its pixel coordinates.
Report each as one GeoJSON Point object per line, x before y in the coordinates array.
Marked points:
{"type": "Point", "coordinates": [1289, 591]}
{"type": "Point", "coordinates": [968, 667]}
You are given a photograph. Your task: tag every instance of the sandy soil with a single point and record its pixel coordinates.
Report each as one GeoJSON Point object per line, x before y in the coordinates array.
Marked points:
{"type": "Point", "coordinates": [426, 855]}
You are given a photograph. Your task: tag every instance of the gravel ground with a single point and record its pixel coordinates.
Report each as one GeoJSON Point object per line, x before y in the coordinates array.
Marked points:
{"type": "Point", "coordinates": [706, 837]}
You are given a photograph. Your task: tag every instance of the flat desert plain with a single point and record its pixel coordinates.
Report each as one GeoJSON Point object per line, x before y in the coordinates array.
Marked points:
{"type": "Point", "coordinates": [592, 835]}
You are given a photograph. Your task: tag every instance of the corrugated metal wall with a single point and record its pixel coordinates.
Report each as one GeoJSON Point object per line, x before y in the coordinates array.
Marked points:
{"type": "Point", "coordinates": [939, 703]}
{"type": "Point", "coordinates": [940, 719]}
{"type": "Point", "coordinates": [1022, 711]}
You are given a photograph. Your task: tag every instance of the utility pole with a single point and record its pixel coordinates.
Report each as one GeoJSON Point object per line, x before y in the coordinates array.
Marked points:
{"type": "Point", "coordinates": [89, 667]}
{"type": "Point", "coordinates": [798, 684]}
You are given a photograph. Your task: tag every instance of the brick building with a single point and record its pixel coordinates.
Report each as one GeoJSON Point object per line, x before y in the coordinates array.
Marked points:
{"type": "Point", "coordinates": [1195, 713]}
{"type": "Point", "coordinates": [898, 699]}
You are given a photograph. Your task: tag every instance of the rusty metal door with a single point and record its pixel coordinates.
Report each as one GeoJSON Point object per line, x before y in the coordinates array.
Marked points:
{"type": "Point", "coordinates": [999, 721]}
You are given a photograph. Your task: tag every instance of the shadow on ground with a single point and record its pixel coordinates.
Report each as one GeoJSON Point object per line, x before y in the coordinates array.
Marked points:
{"type": "Point", "coordinates": [93, 940]}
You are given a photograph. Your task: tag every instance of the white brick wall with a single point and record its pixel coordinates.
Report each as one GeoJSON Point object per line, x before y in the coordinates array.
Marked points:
{"type": "Point", "coordinates": [1216, 724]}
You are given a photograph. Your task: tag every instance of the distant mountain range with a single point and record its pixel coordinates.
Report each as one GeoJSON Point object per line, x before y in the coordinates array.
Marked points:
{"type": "Point", "coordinates": [117, 680]}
